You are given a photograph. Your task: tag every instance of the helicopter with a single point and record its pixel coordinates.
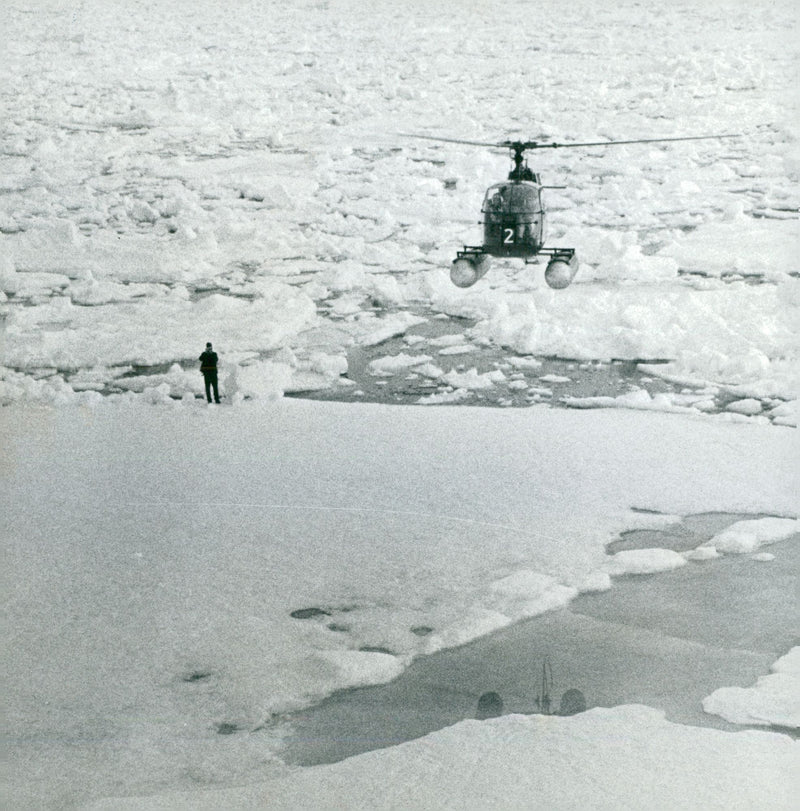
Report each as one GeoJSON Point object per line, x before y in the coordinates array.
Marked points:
{"type": "Point", "coordinates": [514, 223]}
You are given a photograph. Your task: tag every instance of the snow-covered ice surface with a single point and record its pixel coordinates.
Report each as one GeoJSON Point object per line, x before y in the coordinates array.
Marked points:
{"type": "Point", "coordinates": [518, 762]}
{"type": "Point", "coordinates": [774, 700]}
{"type": "Point", "coordinates": [172, 173]}
{"type": "Point", "coordinates": [748, 536]}
{"type": "Point", "coordinates": [155, 556]}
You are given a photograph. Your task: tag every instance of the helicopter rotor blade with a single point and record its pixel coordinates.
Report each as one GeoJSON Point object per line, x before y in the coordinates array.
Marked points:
{"type": "Point", "coordinates": [452, 140]}
{"type": "Point", "coordinates": [522, 146]}
{"type": "Point", "coordinates": [535, 145]}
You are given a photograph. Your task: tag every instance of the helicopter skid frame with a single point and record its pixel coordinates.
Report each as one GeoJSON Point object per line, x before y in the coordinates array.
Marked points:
{"type": "Point", "coordinates": [474, 252]}
{"type": "Point", "coordinates": [471, 252]}
{"type": "Point", "coordinates": [560, 254]}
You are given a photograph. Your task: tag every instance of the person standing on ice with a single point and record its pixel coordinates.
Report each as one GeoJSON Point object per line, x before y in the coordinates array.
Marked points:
{"type": "Point", "coordinates": [208, 366]}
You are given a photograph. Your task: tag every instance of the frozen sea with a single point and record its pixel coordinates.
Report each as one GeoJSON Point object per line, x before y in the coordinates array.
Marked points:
{"type": "Point", "coordinates": [428, 466]}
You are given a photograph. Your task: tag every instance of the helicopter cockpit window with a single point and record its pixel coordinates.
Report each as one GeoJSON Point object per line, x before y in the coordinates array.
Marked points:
{"type": "Point", "coordinates": [512, 198]}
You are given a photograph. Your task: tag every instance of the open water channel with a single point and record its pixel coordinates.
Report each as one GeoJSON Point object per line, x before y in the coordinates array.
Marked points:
{"type": "Point", "coordinates": [666, 640]}
{"type": "Point", "coordinates": [521, 380]}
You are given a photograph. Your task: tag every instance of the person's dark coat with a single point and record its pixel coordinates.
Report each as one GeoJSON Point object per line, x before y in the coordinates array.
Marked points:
{"type": "Point", "coordinates": [208, 362]}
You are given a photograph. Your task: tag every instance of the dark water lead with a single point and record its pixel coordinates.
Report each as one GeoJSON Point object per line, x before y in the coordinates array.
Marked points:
{"type": "Point", "coordinates": [523, 386]}
{"type": "Point", "coordinates": [666, 640]}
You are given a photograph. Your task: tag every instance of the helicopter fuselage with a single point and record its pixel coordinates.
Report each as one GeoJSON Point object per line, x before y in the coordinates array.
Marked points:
{"type": "Point", "coordinates": [514, 226]}
{"type": "Point", "coordinates": [513, 219]}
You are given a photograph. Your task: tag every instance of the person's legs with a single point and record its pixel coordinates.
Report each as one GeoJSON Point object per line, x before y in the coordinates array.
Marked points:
{"type": "Point", "coordinates": [207, 380]}
{"type": "Point", "coordinates": [216, 390]}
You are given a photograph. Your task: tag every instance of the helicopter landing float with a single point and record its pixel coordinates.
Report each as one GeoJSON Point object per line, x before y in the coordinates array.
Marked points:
{"type": "Point", "coordinates": [514, 222]}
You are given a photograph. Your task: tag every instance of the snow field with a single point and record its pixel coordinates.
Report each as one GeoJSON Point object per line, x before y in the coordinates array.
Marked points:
{"type": "Point", "coordinates": [772, 701]}
{"type": "Point", "coordinates": [155, 557]}
{"type": "Point", "coordinates": [514, 761]}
